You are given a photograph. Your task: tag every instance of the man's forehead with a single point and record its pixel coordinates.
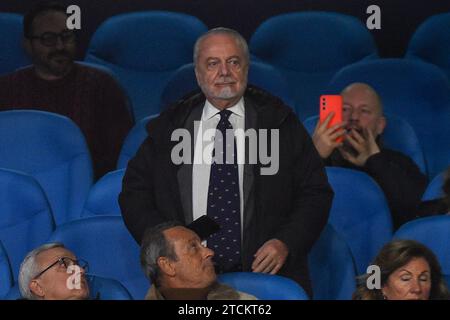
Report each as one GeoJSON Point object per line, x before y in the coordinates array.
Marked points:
{"type": "Point", "coordinates": [215, 43]}
{"type": "Point", "coordinates": [180, 233]}
{"type": "Point", "coordinates": [364, 96]}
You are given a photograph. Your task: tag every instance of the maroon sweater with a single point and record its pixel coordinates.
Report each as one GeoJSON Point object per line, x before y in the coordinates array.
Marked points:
{"type": "Point", "coordinates": [91, 98]}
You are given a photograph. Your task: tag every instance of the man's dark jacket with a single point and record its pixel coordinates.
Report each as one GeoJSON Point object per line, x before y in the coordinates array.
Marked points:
{"type": "Point", "coordinates": [292, 205]}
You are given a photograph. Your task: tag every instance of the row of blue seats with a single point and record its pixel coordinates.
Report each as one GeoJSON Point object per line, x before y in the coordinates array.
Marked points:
{"type": "Point", "coordinates": [300, 68]}
{"type": "Point", "coordinates": [359, 212]}
{"type": "Point", "coordinates": [52, 149]}
{"type": "Point", "coordinates": [106, 244]}
{"type": "Point", "coordinates": [308, 48]}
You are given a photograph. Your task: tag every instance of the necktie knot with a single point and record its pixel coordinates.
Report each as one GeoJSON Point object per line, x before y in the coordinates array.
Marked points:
{"type": "Point", "coordinates": [225, 114]}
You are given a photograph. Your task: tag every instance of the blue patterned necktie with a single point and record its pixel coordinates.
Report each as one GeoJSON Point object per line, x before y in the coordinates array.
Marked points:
{"type": "Point", "coordinates": [224, 201]}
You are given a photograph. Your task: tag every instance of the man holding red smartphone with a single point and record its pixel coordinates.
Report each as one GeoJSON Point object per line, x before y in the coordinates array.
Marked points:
{"type": "Point", "coordinates": [361, 149]}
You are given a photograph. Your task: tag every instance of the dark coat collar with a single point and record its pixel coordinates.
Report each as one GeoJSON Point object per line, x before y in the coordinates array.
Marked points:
{"type": "Point", "coordinates": [270, 110]}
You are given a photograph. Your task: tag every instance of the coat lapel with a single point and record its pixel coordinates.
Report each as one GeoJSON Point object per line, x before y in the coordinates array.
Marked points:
{"type": "Point", "coordinates": [184, 174]}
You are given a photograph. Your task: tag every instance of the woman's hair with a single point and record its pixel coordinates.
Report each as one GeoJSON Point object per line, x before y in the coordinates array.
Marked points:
{"type": "Point", "coordinates": [395, 255]}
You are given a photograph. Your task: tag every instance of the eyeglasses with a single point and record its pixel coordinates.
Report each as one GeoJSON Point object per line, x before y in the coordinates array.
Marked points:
{"type": "Point", "coordinates": [50, 39]}
{"type": "Point", "coordinates": [65, 262]}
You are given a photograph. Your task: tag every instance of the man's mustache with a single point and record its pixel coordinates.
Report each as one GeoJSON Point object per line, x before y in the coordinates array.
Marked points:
{"type": "Point", "coordinates": [60, 53]}
{"type": "Point", "coordinates": [226, 80]}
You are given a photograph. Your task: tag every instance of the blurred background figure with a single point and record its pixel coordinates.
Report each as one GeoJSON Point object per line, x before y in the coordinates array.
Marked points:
{"type": "Point", "coordinates": [55, 83]}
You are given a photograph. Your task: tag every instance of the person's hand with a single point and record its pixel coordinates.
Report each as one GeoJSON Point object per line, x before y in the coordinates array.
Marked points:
{"type": "Point", "coordinates": [324, 138]}
{"type": "Point", "coordinates": [365, 146]}
{"type": "Point", "coordinates": [270, 257]}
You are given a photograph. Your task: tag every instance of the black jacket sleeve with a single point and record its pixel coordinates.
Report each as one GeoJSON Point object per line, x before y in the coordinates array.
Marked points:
{"type": "Point", "coordinates": [312, 194]}
{"type": "Point", "coordinates": [401, 180]}
{"type": "Point", "coordinates": [137, 197]}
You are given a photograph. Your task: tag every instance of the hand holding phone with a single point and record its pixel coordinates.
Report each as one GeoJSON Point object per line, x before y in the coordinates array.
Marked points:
{"type": "Point", "coordinates": [331, 104]}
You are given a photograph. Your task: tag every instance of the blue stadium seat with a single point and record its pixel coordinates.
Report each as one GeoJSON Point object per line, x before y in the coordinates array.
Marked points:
{"type": "Point", "coordinates": [398, 135]}
{"type": "Point", "coordinates": [434, 188]}
{"type": "Point", "coordinates": [308, 48]}
{"type": "Point", "coordinates": [331, 266]}
{"type": "Point", "coordinates": [107, 289]}
{"type": "Point", "coordinates": [418, 92]}
{"type": "Point", "coordinates": [99, 289]}
{"type": "Point", "coordinates": [143, 49]}
{"type": "Point", "coordinates": [12, 54]}
{"type": "Point", "coordinates": [264, 286]}
{"type": "Point", "coordinates": [434, 233]}
{"type": "Point", "coordinates": [103, 197]}
{"type": "Point", "coordinates": [262, 75]}
{"type": "Point", "coordinates": [359, 214]}
{"type": "Point", "coordinates": [106, 244]}
{"type": "Point", "coordinates": [431, 42]}
{"type": "Point", "coordinates": [6, 278]}
{"type": "Point", "coordinates": [53, 150]}
{"type": "Point", "coordinates": [133, 141]}
{"type": "Point", "coordinates": [25, 216]}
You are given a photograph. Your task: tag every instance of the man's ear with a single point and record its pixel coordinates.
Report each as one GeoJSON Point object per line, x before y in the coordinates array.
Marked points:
{"type": "Point", "coordinates": [36, 289]}
{"type": "Point", "coordinates": [381, 125]}
{"type": "Point", "coordinates": [166, 266]}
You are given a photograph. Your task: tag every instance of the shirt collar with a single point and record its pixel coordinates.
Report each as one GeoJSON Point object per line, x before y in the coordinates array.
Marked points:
{"type": "Point", "coordinates": [210, 111]}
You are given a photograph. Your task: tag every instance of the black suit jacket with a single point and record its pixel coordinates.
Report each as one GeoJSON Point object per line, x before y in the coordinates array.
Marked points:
{"type": "Point", "coordinates": [292, 205]}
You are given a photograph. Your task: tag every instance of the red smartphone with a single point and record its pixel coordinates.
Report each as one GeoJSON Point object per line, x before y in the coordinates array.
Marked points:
{"type": "Point", "coordinates": [328, 104]}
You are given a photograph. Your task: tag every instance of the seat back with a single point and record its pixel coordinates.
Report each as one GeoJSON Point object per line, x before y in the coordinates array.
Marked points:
{"type": "Point", "coordinates": [434, 188]}
{"type": "Point", "coordinates": [25, 216]}
{"type": "Point", "coordinates": [359, 214]}
{"type": "Point", "coordinates": [434, 233]}
{"type": "Point", "coordinates": [143, 49]}
{"type": "Point", "coordinates": [106, 244]}
{"type": "Point", "coordinates": [264, 286]}
{"type": "Point", "coordinates": [308, 48]}
{"type": "Point", "coordinates": [331, 266]}
{"type": "Point", "coordinates": [133, 141]}
{"type": "Point", "coordinates": [398, 135]}
{"type": "Point", "coordinates": [416, 91]}
{"type": "Point", "coordinates": [104, 194]}
{"type": "Point", "coordinates": [53, 150]}
{"type": "Point", "coordinates": [431, 42]}
{"type": "Point", "coordinates": [6, 278]}
{"type": "Point", "coordinates": [12, 54]}
{"type": "Point", "coordinates": [107, 289]}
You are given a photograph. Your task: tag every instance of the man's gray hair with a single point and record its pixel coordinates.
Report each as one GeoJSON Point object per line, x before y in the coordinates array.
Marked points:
{"type": "Point", "coordinates": [221, 30]}
{"type": "Point", "coordinates": [29, 269]}
{"type": "Point", "coordinates": [155, 245]}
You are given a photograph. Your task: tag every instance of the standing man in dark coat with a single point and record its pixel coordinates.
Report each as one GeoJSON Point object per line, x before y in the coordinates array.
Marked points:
{"type": "Point", "coordinates": [278, 208]}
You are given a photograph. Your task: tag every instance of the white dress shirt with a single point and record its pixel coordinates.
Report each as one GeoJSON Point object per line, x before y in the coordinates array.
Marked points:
{"type": "Point", "coordinates": [202, 160]}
